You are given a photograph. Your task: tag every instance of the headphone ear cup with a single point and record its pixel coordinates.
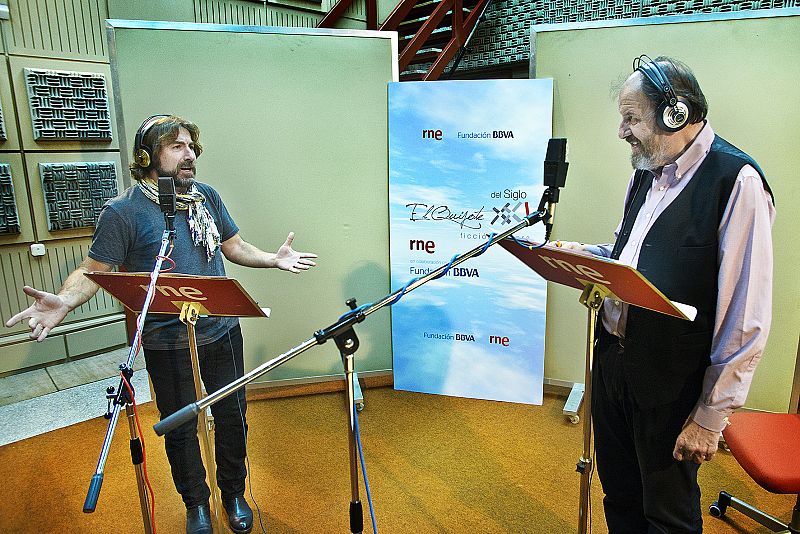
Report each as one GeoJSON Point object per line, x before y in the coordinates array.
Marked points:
{"type": "Point", "coordinates": [673, 118]}
{"type": "Point", "coordinates": [142, 157]}
{"type": "Point", "coordinates": [141, 152]}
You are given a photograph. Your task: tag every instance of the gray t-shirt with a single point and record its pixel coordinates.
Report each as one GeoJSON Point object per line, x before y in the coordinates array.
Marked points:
{"type": "Point", "coordinates": [128, 234]}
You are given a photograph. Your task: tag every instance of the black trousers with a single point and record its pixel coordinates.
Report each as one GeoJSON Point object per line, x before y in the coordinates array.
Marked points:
{"type": "Point", "coordinates": [170, 371]}
{"type": "Point", "coordinates": [646, 490]}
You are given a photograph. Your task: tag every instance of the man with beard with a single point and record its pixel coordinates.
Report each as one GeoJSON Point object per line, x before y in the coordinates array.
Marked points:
{"type": "Point", "coordinates": [697, 223]}
{"type": "Point", "coordinates": [128, 234]}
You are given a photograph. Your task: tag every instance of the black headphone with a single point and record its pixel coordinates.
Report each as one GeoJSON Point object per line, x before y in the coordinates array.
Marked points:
{"type": "Point", "coordinates": [673, 113]}
{"type": "Point", "coordinates": [143, 154]}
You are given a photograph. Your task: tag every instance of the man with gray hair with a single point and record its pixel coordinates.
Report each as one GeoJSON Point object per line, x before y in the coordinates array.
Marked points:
{"type": "Point", "coordinates": [697, 223]}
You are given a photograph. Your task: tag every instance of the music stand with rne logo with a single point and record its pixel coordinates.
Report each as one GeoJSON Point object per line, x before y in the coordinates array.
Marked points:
{"type": "Point", "coordinates": [189, 297]}
{"type": "Point", "coordinates": [598, 278]}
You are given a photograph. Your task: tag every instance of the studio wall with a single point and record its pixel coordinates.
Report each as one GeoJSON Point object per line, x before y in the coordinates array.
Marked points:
{"type": "Point", "coordinates": [751, 86]}
{"type": "Point", "coordinates": [294, 129]}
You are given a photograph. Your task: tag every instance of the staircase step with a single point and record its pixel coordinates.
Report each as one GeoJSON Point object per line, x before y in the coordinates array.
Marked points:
{"type": "Point", "coordinates": [412, 76]}
{"type": "Point", "coordinates": [424, 9]}
{"type": "Point", "coordinates": [427, 54]}
{"type": "Point", "coordinates": [410, 21]}
{"type": "Point", "coordinates": [440, 34]}
{"type": "Point", "coordinates": [412, 26]}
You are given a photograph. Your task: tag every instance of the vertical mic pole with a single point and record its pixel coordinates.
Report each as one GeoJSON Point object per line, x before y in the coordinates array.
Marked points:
{"type": "Point", "coordinates": [592, 297]}
{"type": "Point", "coordinates": [347, 342]}
{"type": "Point", "coordinates": [123, 398]}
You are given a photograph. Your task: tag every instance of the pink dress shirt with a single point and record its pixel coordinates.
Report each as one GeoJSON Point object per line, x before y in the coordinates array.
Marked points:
{"type": "Point", "coordinates": [744, 301]}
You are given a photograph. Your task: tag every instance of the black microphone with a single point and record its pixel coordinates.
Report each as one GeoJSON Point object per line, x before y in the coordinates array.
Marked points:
{"type": "Point", "coordinates": [555, 176]}
{"type": "Point", "coordinates": [166, 199]}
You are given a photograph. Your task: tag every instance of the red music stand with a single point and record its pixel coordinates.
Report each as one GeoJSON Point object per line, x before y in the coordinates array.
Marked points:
{"type": "Point", "coordinates": [598, 278]}
{"type": "Point", "coordinates": [189, 297]}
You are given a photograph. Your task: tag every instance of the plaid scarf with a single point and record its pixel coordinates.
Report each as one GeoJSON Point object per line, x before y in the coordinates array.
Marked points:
{"type": "Point", "coordinates": [201, 223]}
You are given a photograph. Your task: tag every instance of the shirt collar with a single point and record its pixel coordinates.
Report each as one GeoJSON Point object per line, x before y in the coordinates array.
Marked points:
{"type": "Point", "coordinates": [696, 152]}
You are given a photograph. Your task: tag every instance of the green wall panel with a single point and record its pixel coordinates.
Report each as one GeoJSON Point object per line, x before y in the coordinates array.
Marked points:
{"type": "Point", "coordinates": [64, 28]}
{"type": "Point", "coordinates": [294, 130]}
{"type": "Point", "coordinates": [760, 118]}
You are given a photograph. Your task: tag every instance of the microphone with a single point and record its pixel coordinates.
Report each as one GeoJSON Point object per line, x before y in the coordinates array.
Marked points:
{"type": "Point", "coordinates": [555, 176]}
{"type": "Point", "coordinates": [166, 200]}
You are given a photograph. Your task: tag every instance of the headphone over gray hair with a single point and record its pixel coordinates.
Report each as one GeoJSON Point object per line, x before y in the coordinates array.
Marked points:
{"type": "Point", "coordinates": [673, 112]}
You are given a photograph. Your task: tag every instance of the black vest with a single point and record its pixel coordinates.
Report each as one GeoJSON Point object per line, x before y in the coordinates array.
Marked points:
{"type": "Point", "coordinates": [666, 357]}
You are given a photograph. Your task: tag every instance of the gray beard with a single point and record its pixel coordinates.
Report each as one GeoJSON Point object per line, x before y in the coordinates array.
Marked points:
{"type": "Point", "coordinates": [649, 159]}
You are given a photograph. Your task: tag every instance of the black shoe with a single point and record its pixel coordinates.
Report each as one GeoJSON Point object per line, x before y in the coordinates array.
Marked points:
{"type": "Point", "coordinates": [240, 516]}
{"type": "Point", "coordinates": [198, 519]}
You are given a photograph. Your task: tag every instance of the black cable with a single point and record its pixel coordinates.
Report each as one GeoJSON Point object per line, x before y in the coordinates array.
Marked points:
{"type": "Point", "coordinates": [244, 431]}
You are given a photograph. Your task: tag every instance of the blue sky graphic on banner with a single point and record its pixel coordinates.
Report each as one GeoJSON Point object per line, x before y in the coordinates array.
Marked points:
{"type": "Point", "coordinates": [465, 160]}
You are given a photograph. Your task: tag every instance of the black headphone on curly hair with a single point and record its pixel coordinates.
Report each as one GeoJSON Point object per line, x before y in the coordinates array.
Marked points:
{"type": "Point", "coordinates": [143, 154]}
{"type": "Point", "coordinates": [673, 112]}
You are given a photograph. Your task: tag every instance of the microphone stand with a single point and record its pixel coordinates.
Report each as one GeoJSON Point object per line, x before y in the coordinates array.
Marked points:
{"type": "Point", "coordinates": [123, 397]}
{"type": "Point", "coordinates": [344, 336]}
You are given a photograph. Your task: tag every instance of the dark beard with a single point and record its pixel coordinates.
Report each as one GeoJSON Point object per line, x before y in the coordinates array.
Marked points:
{"type": "Point", "coordinates": [181, 183]}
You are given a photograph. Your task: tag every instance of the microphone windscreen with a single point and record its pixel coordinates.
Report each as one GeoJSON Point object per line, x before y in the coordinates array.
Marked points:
{"type": "Point", "coordinates": [556, 149]}
{"type": "Point", "coordinates": [555, 163]}
{"type": "Point", "coordinates": [166, 194]}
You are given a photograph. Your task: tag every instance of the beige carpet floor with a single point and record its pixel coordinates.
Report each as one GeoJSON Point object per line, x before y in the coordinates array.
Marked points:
{"type": "Point", "coordinates": [435, 464]}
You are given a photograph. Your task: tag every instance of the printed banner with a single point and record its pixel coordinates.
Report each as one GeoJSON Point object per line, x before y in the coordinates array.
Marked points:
{"type": "Point", "coordinates": [466, 160]}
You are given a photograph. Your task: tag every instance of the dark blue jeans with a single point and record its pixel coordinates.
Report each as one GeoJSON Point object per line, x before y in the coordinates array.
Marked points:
{"type": "Point", "coordinates": [170, 371]}
{"type": "Point", "coordinates": [646, 490]}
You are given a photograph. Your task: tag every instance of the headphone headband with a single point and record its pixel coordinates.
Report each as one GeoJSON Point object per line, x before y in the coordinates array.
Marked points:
{"type": "Point", "coordinates": [672, 113]}
{"type": "Point", "coordinates": [656, 75]}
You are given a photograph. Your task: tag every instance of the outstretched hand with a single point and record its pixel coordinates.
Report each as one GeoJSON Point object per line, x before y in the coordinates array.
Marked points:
{"type": "Point", "coordinates": [46, 312]}
{"type": "Point", "coordinates": [290, 260]}
{"type": "Point", "coordinates": [696, 443]}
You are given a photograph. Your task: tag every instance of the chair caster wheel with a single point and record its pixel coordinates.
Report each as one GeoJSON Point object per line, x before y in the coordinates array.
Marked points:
{"type": "Point", "coordinates": [574, 419]}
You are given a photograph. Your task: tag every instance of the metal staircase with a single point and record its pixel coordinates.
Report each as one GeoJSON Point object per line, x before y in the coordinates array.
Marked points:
{"type": "Point", "coordinates": [431, 33]}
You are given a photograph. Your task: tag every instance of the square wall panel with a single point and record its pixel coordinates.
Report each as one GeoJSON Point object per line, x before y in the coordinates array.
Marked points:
{"type": "Point", "coordinates": [3, 135]}
{"type": "Point", "coordinates": [9, 216]}
{"type": "Point", "coordinates": [75, 192]}
{"type": "Point", "coordinates": [69, 189]}
{"type": "Point", "coordinates": [68, 105]}
{"type": "Point", "coordinates": [11, 163]}
{"type": "Point", "coordinates": [9, 139]}
{"type": "Point", "coordinates": [63, 105]}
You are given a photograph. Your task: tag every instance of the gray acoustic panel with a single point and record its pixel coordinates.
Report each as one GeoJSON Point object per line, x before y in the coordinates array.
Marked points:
{"type": "Point", "coordinates": [9, 220]}
{"type": "Point", "coordinates": [502, 38]}
{"type": "Point", "coordinates": [3, 136]}
{"type": "Point", "coordinates": [68, 105]}
{"type": "Point", "coordinates": [74, 193]}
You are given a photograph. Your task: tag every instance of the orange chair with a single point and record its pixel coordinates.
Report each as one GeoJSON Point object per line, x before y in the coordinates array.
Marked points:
{"type": "Point", "coordinates": [767, 446]}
